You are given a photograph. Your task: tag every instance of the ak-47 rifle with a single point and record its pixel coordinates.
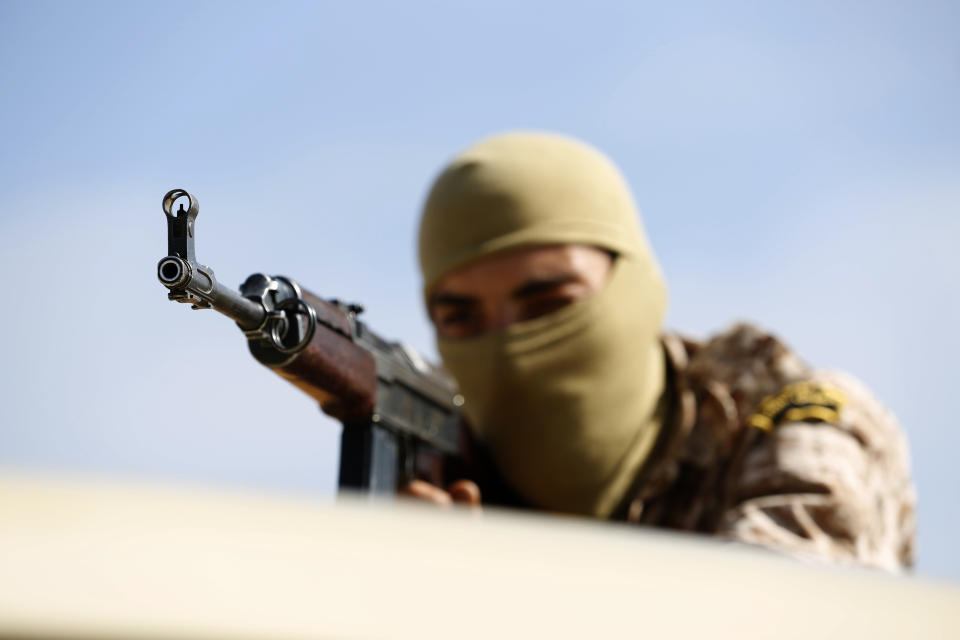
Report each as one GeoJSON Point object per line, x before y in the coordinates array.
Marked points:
{"type": "Point", "coordinates": [400, 415]}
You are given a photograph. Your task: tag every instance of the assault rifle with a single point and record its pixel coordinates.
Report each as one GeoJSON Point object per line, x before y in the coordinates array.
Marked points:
{"type": "Point", "coordinates": [400, 415]}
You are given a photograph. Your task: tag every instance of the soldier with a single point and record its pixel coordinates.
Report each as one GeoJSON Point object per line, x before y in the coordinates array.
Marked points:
{"type": "Point", "coordinates": [547, 303]}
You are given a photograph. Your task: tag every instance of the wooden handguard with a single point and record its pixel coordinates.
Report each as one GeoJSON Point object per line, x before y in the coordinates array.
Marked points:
{"type": "Point", "coordinates": [332, 369]}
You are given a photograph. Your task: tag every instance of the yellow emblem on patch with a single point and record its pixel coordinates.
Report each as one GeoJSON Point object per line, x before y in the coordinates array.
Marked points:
{"type": "Point", "coordinates": [798, 402]}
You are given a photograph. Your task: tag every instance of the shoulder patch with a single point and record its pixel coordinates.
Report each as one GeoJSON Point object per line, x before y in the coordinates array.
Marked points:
{"type": "Point", "coordinates": [798, 402]}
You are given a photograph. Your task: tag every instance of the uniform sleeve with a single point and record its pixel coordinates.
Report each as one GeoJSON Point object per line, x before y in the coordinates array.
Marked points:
{"type": "Point", "coordinates": [837, 490]}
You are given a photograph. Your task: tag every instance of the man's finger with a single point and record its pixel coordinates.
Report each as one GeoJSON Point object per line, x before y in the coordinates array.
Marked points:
{"type": "Point", "coordinates": [465, 492]}
{"type": "Point", "coordinates": [425, 491]}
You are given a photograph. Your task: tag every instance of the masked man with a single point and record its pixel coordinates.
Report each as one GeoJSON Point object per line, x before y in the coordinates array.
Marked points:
{"type": "Point", "coordinates": [548, 307]}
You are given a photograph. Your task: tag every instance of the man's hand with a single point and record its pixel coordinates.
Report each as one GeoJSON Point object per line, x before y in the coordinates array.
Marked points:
{"type": "Point", "coordinates": [465, 492]}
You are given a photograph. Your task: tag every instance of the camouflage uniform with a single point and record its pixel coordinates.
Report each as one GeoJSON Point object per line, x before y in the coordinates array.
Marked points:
{"type": "Point", "coordinates": [759, 448]}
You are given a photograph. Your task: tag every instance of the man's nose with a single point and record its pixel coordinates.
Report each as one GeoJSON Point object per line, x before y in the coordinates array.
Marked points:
{"type": "Point", "coordinates": [502, 316]}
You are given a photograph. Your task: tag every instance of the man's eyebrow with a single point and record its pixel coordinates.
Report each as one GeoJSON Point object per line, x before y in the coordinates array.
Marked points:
{"type": "Point", "coordinates": [453, 299]}
{"type": "Point", "coordinates": [540, 285]}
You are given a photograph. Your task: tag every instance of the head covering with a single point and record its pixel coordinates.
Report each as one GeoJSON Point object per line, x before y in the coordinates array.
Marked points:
{"type": "Point", "coordinates": [569, 403]}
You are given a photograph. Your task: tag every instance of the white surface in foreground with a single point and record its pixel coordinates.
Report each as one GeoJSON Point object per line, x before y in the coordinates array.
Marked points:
{"type": "Point", "coordinates": [85, 559]}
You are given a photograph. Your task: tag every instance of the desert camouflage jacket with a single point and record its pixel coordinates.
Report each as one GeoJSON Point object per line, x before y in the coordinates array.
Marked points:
{"type": "Point", "coordinates": [761, 449]}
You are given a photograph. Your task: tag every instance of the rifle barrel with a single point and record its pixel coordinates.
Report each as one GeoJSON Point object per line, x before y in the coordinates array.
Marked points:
{"type": "Point", "coordinates": [198, 285]}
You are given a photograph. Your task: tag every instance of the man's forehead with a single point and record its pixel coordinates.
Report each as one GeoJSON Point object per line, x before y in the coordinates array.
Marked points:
{"type": "Point", "coordinates": [504, 273]}
{"type": "Point", "coordinates": [516, 264]}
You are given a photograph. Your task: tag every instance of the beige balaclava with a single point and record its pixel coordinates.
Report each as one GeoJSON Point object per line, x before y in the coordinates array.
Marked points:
{"type": "Point", "coordinates": [570, 403]}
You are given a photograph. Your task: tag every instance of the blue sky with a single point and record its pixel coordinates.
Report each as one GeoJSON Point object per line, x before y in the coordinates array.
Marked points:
{"type": "Point", "coordinates": [797, 164]}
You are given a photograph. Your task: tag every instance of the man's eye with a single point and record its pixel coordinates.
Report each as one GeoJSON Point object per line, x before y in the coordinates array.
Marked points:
{"type": "Point", "coordinates": [457, 318]}
{"type": "Point", "coordinates": [459, 324]}
{"type": "Point", "coordinates": [541, 307]}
